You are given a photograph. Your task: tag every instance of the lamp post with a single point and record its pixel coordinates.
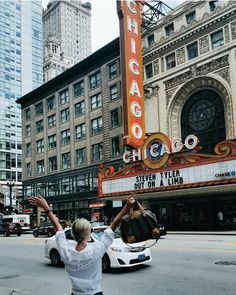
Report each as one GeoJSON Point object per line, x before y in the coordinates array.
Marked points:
{"type": "Point", "coordinates": [10, 184]}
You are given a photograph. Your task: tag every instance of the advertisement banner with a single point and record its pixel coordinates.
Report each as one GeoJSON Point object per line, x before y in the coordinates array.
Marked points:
{"type": "Point", "coordinates": [7, 199]}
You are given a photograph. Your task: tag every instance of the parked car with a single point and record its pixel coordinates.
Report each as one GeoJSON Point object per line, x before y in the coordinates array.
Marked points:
{"type": "Point", "coordinates": [45, 229]}
{"type": "Point", "coordinates": [118, 255]}
{"type": "Point", "coordinates": [162, 229]}
{"type": "Point", "coordinates": [9, 228]}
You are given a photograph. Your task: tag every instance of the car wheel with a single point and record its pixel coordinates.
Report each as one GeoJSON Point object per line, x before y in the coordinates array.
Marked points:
{"type": "Point", "coordinates": [18, 235]}
{"type": "Point", "coordinates": [105, 263]}
{"type": "Point", "coordinates": [49, 234]}
{"type": "Point", "coordinates": [35, 234]}
{"type": "Point", "coordinates": [6, 234]}
{"type": "Point", "coordinates": [55, 258]}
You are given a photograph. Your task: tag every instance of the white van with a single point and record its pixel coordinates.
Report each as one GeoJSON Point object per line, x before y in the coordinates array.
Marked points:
{"type": "Point", "coordinates": [22, 219]}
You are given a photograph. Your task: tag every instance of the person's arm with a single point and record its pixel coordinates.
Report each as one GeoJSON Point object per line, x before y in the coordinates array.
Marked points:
{"type": "Point", "coordinates": [129, 203]}
{"type": "Point", "coordinates": [41, 202]}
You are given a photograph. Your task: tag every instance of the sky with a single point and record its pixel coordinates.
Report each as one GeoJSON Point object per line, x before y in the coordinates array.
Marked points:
{"type": "Point", "coordinates": [105, 22]}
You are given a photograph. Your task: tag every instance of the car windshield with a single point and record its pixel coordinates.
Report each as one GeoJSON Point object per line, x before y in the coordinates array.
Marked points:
{"type": "Point", "coordinates": [98, 233]}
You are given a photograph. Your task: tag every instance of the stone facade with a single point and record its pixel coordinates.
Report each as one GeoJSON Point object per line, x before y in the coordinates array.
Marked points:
{"type": "Point", "coordinates": [213, 65]}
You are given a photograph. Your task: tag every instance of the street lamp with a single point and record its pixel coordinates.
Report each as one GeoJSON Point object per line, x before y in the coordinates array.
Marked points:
{"type": "Point", "coordinates": [10, 184]}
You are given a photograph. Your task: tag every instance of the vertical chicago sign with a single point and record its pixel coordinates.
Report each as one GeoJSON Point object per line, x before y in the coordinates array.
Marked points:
{"type": "Point", "coordinates": [129, 13]}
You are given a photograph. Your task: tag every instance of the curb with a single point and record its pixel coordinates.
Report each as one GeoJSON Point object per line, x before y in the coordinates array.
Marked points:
{"type": "Point", "coordinates": [217, 233]}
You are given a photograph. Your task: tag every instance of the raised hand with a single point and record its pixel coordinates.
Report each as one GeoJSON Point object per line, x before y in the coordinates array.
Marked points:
{"type": "Point", "coordinates": [39, 201]}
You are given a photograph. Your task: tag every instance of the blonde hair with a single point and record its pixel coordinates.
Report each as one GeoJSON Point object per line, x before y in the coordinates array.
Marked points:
{"type": "Point", "coordinates": [80, 229]}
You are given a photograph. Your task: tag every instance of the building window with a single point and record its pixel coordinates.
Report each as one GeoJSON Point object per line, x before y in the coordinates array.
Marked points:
{"type": "Point", "coordinates": [213, 5]}
{"type": "Point", "coordinates": [80, 156]}
{"type": "Point", "coordinates": [64, 97]}
{"type": "Point", "coordinates": [51, 103]}
{"type": "Point", "coordinates": [217, 39]}
{"type": "Point", "coordinates": [28, 130]}
{"type": "Point", "coordinates": [114, 92]}
{"type": "Point", "coordinates": [28, 169]}
{"type": "Point", "coordinates": [97, 125]}
{"type": "Point", "coordinates": [65, 161]}
{"type": "Point", "coordinates": [113, 71]}
{"type": "Point", "coordinates": [203, 115]}
{"type": "Point", "coordinates": [190, 17]}
{"type": "Point", "coordinates": [169, 29]}
{"type": "Point", "coordinates": [115, 146]}
{"type": "Point", "coordinates": [39, 126]}
{"type": "Point", "coordinates": [28, 149]}
{"type": "Point", "coordinates": [97, 152]}
{"type": "Point", "coordinates": [52, 142]}
{"type": "Point", "coordinates": [79, 109]}
{"type": "Point", "coordinates": [151, 40]}
{"type": "Point", "coordinates": [148, 71]}
{"type": "Point", "coordinates": [39, 109]}
{"type": "Point", "coordinates": [170, 61]}
{"type": "Point", "coordinates": [40, 146]}
{"type": "Point", "coordinates": [79, 89]}
{"type": "Point", "coordinates": [65, 137]}
{"type": "Point", "coordinates": [80, 131]}
{"type": "Point", "coordinates": [40, 166]}
{"type": "Point", "coordinates": [52, 164]}
{"type": "Point", "coordinates": [65, 115]}
{"type": "Point", "coordinates": [114, 118]}
{"type": "Point", "coordinates": [51, 121]}
{"type": "Point", "coordinates": [192, 50]}
{"type": "Point", "coordinates": [27, 114]}
{"type": "Point", "coordinates": [96, 101]}
{"type": "Point", "coordinates": [95, 81]}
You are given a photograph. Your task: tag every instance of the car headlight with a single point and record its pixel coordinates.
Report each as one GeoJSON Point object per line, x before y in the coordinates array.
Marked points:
{"type": "Point", "coordinates": [117, 249]}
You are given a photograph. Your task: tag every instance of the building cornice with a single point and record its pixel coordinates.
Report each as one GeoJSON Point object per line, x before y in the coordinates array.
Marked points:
{"type": "Point", "coordinates": [186, 32]}
{"type": "Point", "coordinates": [84, 67]}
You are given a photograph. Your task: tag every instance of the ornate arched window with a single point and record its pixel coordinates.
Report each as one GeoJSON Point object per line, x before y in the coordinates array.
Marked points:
{"type": "Point", "coordinates": [203, 116]}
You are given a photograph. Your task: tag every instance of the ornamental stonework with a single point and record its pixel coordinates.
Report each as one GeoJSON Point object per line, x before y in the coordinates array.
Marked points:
{"type": "Point", "coordinates": [224, 74]}
{"type": "Point", "coordinates": [204, 45]}
{"type": "Point", "coordinates": [176, 105]}
{"type": "Point", "coordinates": [162, 64]}
{"type": "Point", "coordinates": [233, 30]}
{"type": "Point", "coordinates": [156, 67]}
{"type": "Point", "coordinates": [151, 91]}
{"type": "Point", "coordinates": [169, 94]}
{"type": "Point", "coordinates": [195, 71]}
{"type": "Point", "coordinates": [227, 39]}
{"type": "Point", "coordinates": [180, 56]}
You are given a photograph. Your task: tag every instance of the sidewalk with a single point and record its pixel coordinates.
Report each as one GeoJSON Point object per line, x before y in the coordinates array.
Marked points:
{"type": "Point", "coordinates": [216, 232]}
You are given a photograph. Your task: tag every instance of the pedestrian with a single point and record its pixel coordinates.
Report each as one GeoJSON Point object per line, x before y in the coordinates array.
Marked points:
{"type": "Point", "coordinates": [83, 262]}
{"type": "Point", "coordinates": [220, 218]}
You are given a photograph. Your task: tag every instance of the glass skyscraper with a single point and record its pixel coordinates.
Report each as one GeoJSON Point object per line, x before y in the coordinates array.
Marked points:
{"type": "Point", "coordinates": [21, 58]}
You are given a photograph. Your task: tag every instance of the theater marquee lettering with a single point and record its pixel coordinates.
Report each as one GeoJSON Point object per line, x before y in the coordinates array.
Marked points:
{"type": "Point", "coordinates": [157, 148]}
{"type": "Point", "coordinates": [163, 179]}
{"type": "Point", "coordinates": [202, 174]}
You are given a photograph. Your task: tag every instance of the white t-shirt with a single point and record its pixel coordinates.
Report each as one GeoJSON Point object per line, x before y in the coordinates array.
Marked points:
{"type": "Point", "coordinates": [84, 267]}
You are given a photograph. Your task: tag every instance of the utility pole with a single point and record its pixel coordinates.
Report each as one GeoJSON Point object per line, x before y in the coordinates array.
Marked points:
{"type": "Point", "coordinates": [10, 184]}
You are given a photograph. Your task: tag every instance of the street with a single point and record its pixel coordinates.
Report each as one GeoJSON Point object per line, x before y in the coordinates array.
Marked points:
{"type": "Point", "coordinates": [182, 264]}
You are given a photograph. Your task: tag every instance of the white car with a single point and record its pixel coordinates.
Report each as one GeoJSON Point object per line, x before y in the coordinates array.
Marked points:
{"type": "Point", "coordinates": [118, 255]}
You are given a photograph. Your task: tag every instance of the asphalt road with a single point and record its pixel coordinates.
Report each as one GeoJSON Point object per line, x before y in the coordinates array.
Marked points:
{"type": "Point", "coordinates": [182, 264]}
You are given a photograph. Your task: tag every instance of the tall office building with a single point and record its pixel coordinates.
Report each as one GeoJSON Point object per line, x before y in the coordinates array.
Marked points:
{"type": "Point", "coordinates": [67, 35]}
{"type": "Point", "coordinates": [20, 72]}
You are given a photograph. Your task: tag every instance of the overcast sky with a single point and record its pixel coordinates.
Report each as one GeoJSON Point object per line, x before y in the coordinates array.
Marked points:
{"type": "Point", "coordinates": [105, 23]}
